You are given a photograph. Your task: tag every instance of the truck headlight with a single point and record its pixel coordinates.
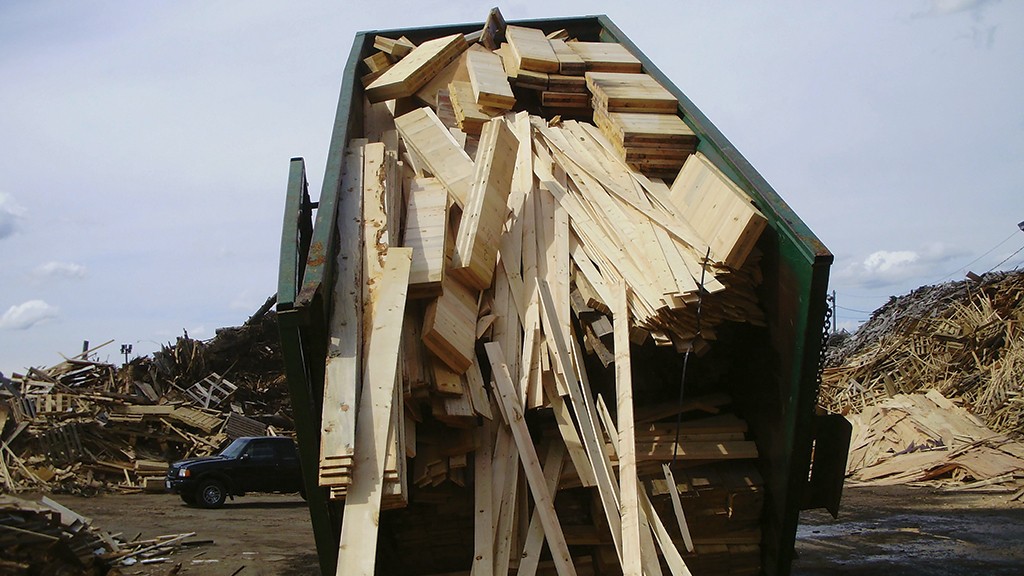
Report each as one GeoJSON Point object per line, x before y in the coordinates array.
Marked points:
{"type": "Point", "coordinates": [184, 473]}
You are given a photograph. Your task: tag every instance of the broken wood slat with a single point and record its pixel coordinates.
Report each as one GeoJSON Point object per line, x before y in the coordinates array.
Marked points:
{"type": "Point", "coordinates": [470, 116]}
{"type": "Point", "coordinates": [485, 210]}
{"type": "Point", "coordinates": [531, 49]}
{"type": "Point", "coordinates": [617, 92]}
{"type": "Point", "coordinates": [437, 149]}
{"type": "Point", "coordinates": [426, 233]}
{"type": "Point", "coordinates": [628, 489]}
{"type": "Point", "coordinates": [554, 460]}
{"type": "Point", "coordinates": [378, 62]}
{"type": "Point", "coordinates": [488, 79]}
{"type": "Point", "coordinates": [718, 209]}
{"type": "Point", "coordinates": [358, 544]}
{"type": "Point", "coordinates": [570, 62]}
{"type": "Point", "coordinates": [606, 57]}
{"type": "Point", "coordinates": [343, 370]}
{"type": "Point", "coordinates": [543, 500]}
{"type": "Point", "coordinates": [415, 69]}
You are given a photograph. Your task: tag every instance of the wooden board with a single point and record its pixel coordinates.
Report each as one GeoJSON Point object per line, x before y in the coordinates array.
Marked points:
{"type": "Point", "coordinates": [416, 69]}
{"type": "Point", "coordinates": [628, 489]}
{"type": "Point", "coordinates": [426, 233]}
{"type": "Point", "coordinates": [398, 48]}
{"type": "Point", "coordinates": [531, 49]}
{"type": "Point", "coordinates": [606, 57]}
{"type": "Point", "coordinates": [438, 150]}
{"type": "Point", "coordinates": [619, 92]}
{"type": "Point", "coordinates": [718, 209]}
{"type": "Point", "coordinates": [490, 84]}
{"type": "Point", "coordinates": [485, 211]}
{"type": "Point", "coordinates": [449, 325]}
{"type": "Point", "coordinates": [470, 116]}
{"type": "Point", "coordinates": [569, 62]}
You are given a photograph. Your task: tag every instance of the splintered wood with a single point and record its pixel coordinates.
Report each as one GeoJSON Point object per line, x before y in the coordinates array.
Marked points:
{"type": "Point", "coordinates": [533, 249]}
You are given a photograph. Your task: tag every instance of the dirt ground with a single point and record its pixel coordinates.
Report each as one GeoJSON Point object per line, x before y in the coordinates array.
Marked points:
{"type": "Point", "coordinates": [896, 531]}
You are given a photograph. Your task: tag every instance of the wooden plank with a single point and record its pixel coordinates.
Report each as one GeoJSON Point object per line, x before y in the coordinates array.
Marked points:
{"type": "Point", "coordinates": [718, 209]}
{"type": "Point", "coordinates": [508, 397]}
{"type": "Point", "coordinates": [486, 209]}
{"type": "Point", "coordinates": [470, 116]}
{"type": "Point", "coordinates": [677, 506]}
{"type": "Point", "coordinates": [378, 62]}
{"type": "Point", "coordinates": [358, 543]}
{"type": "Point", "coordinates": [606, 57]}
{"type": "Point", "coordinates": [616, 92]}
{"type": "Point", "coordinates": [477, 390]}
{"type": "Point", "coordinates": [554, 461]}
{"type": "Point", "coordinates": [630, 507]}
{"type": "Point", "coordinates": [414, 70]}
{"type": "Point", "coordinates": [531, 49]}
{"type": "Point", "coordinates": [426, 233]}
{"type": "Point", "coordinates": [489, 81]}
{"type": "Point", "coordinates": [398, 48]}
{"type": "Point", "coordinates": [570, 62]}
{"type": "Point", "coordinates": [483, 519]}
{"type": "Point", "coordinates": [449, 325]}
{"type": "Point", "coordinates": [343, 371]}
{"type": "Point", "coordinates": [436, 148]}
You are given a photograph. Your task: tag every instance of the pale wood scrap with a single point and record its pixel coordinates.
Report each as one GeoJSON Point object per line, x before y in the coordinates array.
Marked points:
{"type": "Point", "coordinates": [488, 79]}
{"type": "Point", "coordinates": [554, 461]}
{"type": "Point", "coordinates": [426, 233]}
{"type": "Point", "coordinates": [398, 48]}
{"type": "Point", "coordinates": [413, 71]}
{"type": "Point", "coordinates": [718, 209]}
{"type": "Point", "coordinates": [378, 62]}
{"type": "Point", "coordinates": [449, 325]}
{"type": "Point", "coordinates": [617, 92]}
{"type": "Point", "coordinates": [483, 519]}
{"type": "Point", "coordinates": [570, 62]}
{"type": "Point", "coordinates": [508, 397]}
{"type": "Point", "coordinates": [358, 544]}
{"type": "Point", "coordinates": [485, 210]}
{"type": "Point", "coordinates": [531, 49]}
{"type": "Point", "coordinates": [470, 116]}
{"type": "Point", "coordinates": [630, 508]}
{"type": "Point", "coordinates": [438, 151]}
{"type": "Point", "coordinates": [677, 506]}
{"type": "Point", "coordinates": [606, 57]}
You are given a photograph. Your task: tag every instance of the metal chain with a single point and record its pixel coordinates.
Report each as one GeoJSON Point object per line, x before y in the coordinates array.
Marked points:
{"type": "Point", "coordinates": [826, 330]}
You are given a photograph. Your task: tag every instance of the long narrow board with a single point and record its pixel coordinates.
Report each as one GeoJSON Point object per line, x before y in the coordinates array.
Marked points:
{"type": "Point", "coordinates": [485, 211]}
{"type": "Point", "coordinates": [414, 70]}
{"type": "Point", "coordinates": [606, 57]}
{"type": "Point", "coordinates": [358, 544]}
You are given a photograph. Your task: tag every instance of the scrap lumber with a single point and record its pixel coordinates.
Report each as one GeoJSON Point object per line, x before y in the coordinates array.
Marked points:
{"type": "Point", "coordinates": [570, 62]}
{"type": "Point", "coordinates": [622, 92]}
{"type": "Point", "coordinates": [531, 49]}
{"type": "Point", "coordinates": [426, 233]}
{"type": "Point", "coordinates": [415, 69]}
{"type": "Point", "coordinates": [488, 79]}
{"type": "Point", "coordinates": [470, 116]}
{"type": "Point", "coordinates": [718, 209]}
{"type": "Point", "coordinates": [485, 211]}
{"type": "Point", "coordinates": [626, 439]}
{"type": "Point", "coordinates": [424, 134]}
{"type": "Point", "coordinates": [606, 57]}
{"type": "Point", "coordinates": [398, 48]}
{"type": "Point", "coordinates": [449, 325]}
{"type": "Point", "coordinates": [358, 544]}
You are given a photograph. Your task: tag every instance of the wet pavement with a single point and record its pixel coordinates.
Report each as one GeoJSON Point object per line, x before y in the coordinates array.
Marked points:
{"type": "Point", "coordinates": [898, 531]}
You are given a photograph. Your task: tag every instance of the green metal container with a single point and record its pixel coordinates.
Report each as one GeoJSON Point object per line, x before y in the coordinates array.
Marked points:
{"type": "Point", "coordinates": [776, 368]}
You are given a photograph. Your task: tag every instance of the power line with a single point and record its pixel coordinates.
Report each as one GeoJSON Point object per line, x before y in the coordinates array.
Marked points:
{"type": "Point", "coordinates": [1004, 260]}
{"type": "Point", "coordinates": [853, 310]}
{"type": "Point", "coordinates": [972, 262]}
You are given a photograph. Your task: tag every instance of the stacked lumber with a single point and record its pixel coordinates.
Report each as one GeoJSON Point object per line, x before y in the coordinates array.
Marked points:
{"type": "Point", "coordinates": [84, 426]}
{"type": "Point", "coordinates": [493, 264]}
{"type": "Point", "coordinates": [46, 537]}
{"type": "Point", "coordinates": [926, 437]}
{"type": "Point", "coordinates": [963, 339]}
{"type": "Point", "coordinates": [518, 67]}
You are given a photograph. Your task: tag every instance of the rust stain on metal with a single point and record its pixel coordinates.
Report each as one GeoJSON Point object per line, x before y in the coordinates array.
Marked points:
{"type": "Point", "coordinates": [316, 254]}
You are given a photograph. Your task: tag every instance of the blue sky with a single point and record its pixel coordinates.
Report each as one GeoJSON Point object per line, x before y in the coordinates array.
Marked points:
{"type": "Point", "coordinates": [144, 146]}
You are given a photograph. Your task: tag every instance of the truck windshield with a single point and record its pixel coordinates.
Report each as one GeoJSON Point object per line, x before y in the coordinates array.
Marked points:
{"type": "Point", "coordinates": [234, 449]}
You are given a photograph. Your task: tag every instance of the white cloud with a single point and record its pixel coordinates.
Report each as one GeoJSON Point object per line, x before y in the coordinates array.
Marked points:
{"type": "Point", "coordinates": [10, 214]}
{"type": "Point", "coordinates": [944, 7]}
{"type": "Point", "coordinates": [884, 261]}
{"type": "Point", "coordinates": [60, 270]}
{"type": "Point", "coordinates": [26, 315]}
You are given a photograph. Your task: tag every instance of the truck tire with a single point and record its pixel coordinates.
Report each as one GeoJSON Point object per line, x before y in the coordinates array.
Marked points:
{"type": "Point", "coordinates": [188, 498]}
{"type": "Point", "coordinates": [211, 493]}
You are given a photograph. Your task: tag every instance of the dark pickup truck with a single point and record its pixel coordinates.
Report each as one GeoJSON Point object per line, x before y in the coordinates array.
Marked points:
{"type": "Point", "coordinates": [249, 464]}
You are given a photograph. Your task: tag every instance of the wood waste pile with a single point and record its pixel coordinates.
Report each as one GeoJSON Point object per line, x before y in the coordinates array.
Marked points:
{"type": "Point", "coordinates": [46, 537]}
{"type": "Point", "coordinates": [962, 343]}
{"type": "Point", "coordinates": [495, 261]}
{"type": "Point", "coordinates": [84, 426]}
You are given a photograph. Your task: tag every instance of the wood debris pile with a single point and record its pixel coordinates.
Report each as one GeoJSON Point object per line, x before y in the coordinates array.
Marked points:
{"type": "Point", "coordinates": [484, 286]}
{"type": "Point", "coordinates": [925, 437]}
{"type": "Point", "coordinates": [85, 426]}
{"type": "Point", "coordinates": [963, 339]}
{"type": "Point", "coordinates": [48, 538]}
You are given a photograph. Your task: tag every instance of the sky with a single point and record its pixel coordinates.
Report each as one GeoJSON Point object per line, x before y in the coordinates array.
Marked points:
{"type": "Point", "coordinates": [144, 146]}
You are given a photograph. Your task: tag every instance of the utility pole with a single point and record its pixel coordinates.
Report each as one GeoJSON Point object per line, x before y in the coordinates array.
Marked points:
{"type": "Point", "coordinates": [126, 349]}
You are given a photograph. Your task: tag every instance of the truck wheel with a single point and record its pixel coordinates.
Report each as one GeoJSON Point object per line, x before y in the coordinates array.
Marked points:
{"type": "Point", "coordinates": [211, 494]}
{"type": "Point", "coordinates": [188, 498]}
